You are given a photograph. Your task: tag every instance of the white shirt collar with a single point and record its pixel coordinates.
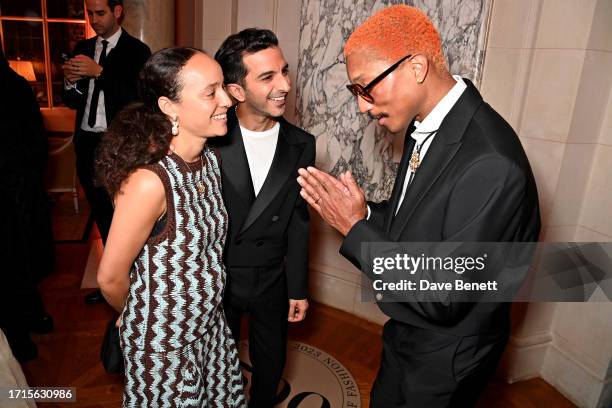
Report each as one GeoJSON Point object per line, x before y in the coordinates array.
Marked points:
{"type": "Point", "coordinates": [112, 40]}
{"type": "Point", "coordinates": [433, 121]}
{"type": "Point", "coordinates": [274, 130]}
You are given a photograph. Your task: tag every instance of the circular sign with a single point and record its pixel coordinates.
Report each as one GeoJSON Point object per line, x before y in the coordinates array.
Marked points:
{"type": "Point", "coordinates": [312, 379]}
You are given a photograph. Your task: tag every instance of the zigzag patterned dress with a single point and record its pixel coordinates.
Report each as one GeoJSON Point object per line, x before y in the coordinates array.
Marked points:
{"type": "Point", "coordinates": [177, 346]}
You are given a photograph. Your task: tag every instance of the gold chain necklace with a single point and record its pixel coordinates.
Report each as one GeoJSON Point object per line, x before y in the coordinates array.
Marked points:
{"type": "Point", "coordinates": [199, 183]}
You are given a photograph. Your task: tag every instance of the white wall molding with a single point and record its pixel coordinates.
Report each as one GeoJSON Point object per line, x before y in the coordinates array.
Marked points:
{"type": "Point", "coordinates": [578, 360]}
{"type": "Point", "coordinates": [574, 380]}
{"type": "Point", "coordinates": [534, 339]}
{"type": "Point", "coordinates": [522, 362]}
{"type": "Point", "coordinates": [525, 355]}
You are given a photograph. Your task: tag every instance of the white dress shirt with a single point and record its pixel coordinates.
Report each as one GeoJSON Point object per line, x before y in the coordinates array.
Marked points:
{"type": "Point", "coordinates": [430, 124]}
{"type": "Point", "coordinates": [260, 148]}
{"type": "Point", "coordinates": [101, 124]}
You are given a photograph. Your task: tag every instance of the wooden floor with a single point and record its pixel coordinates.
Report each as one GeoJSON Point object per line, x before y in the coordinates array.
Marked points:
{"type": "Point", "coordinates": [69, 355]}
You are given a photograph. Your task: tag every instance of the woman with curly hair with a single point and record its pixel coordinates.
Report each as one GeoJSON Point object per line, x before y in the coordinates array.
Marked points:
{"type": "Point", "coordinates": [162, 266]}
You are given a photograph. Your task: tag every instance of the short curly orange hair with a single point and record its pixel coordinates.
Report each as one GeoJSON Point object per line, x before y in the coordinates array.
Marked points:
{"type": "Point", "coordinates": [397, 31]}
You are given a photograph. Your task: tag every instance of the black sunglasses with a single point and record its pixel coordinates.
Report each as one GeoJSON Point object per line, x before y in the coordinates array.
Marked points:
{"type": "Point", "coordinates": [364, 91]}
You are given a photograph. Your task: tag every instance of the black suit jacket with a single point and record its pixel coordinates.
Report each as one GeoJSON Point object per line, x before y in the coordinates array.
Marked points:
{"type": "Point", "coordinates": [474, 185]}
{"type": "Point", "coordinates": [118, 79]}
{"type": "Point", "coordinates": [26, 240]}
{"type": "Point", "coordinates": [272, 228]}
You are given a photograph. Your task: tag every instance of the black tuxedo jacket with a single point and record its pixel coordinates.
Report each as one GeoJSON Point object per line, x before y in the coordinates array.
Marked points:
{"type": "Point", "coordinates": [118, 79]}
{"type": "Point", "coordinates": [474, 185]}
{"type": "Point", "coordinates": [272, 228]}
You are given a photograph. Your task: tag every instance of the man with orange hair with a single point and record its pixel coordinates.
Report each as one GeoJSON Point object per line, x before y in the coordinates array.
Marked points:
{"type": "Point", "coordinates": [463, 177]}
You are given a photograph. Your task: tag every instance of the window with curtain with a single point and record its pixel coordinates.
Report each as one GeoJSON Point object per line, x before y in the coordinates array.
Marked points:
{"type": "Point", "coordinates": [34, 34]}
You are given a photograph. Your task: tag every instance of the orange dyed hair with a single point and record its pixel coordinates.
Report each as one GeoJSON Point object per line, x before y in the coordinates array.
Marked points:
{"type": "Point", "coordinates": [395, 32]}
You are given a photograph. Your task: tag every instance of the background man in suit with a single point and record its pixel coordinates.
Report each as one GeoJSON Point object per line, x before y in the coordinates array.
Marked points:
{"type": "Point", "coordinates": [26, 239]}
{"type": "Point", "coordinates": [267, 247]}
{"type": "Point", "coordinates": [99, 81]}
{"type": "Point", "coordinates": [463, 177]}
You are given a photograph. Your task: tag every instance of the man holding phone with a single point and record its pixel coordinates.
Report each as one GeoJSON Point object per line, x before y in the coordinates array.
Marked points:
{"type": "Point", "coordinates": [99, 81]}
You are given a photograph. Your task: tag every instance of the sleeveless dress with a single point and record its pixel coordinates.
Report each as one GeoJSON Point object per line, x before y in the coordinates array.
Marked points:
{"type": "Point", "coordinates": [177, 346]}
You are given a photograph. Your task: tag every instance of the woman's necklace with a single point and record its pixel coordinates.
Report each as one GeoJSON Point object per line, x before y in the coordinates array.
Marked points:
{"type": "Point", "coordinates": [199, 183]}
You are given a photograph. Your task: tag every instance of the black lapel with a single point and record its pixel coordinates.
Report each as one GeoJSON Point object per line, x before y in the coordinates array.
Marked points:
{"type": "Point", "coordinates": [284, 161]}
{"type": "Point", "coordinates": [399, 179]}
{"type": "Point", "coordinates": [234, 161]}
{"type": "Point", "coordinates": [91, 47]}
{"type": "Point", "coordinates": [442, 150]}
{"type": "Point", "coordinates": [117, 49]}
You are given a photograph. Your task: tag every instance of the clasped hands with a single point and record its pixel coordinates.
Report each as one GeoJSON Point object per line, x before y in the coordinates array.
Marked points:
{"type": "Point", "coordinates": [339, 201]}
{"type": "Point", "coordinates": [80, 67]}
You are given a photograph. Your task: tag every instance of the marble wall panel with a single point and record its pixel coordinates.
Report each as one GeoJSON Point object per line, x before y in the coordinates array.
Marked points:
{"type": "Point", "coordinates": [345, 138]}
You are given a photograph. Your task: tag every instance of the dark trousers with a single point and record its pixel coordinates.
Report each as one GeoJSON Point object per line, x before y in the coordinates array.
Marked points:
{"type": "Point", "coordinates": [20, 306]}
{"type": "Point", "coordinates": [20, 302]}
{"type": "Point", "coordinates": [262, 293]}
{"type": "Point", "coordinates": [27, 253]}
{"type": "Point", "coordinates": [421, 368]}
{"type": "Point", "coordinates": [85, 145]}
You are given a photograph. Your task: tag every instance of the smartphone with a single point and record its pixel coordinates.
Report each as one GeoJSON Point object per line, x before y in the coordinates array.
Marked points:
{"type": "Point", "coordinates": [65, 56]}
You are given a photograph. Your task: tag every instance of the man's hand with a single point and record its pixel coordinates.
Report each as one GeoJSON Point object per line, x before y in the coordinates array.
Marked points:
{"type": "Point", "coordinates": [70, 75]}
{"type": "Point", "coordinates": [297, 310]}
{"type": "Point", "coordinates": [340, 202]}
{"type": "Point", "coordinates": [80, 67]}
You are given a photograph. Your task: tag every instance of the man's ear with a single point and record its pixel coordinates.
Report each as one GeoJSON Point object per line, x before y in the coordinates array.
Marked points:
{"type": "Point", "coordinates": [236, 91]}
{"type": "Point", "coordinates": [166, 106]}
{"type": "Point", "coordinates": [117, 11]}
{"type": "Point", "coordinates": [420, 66]}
